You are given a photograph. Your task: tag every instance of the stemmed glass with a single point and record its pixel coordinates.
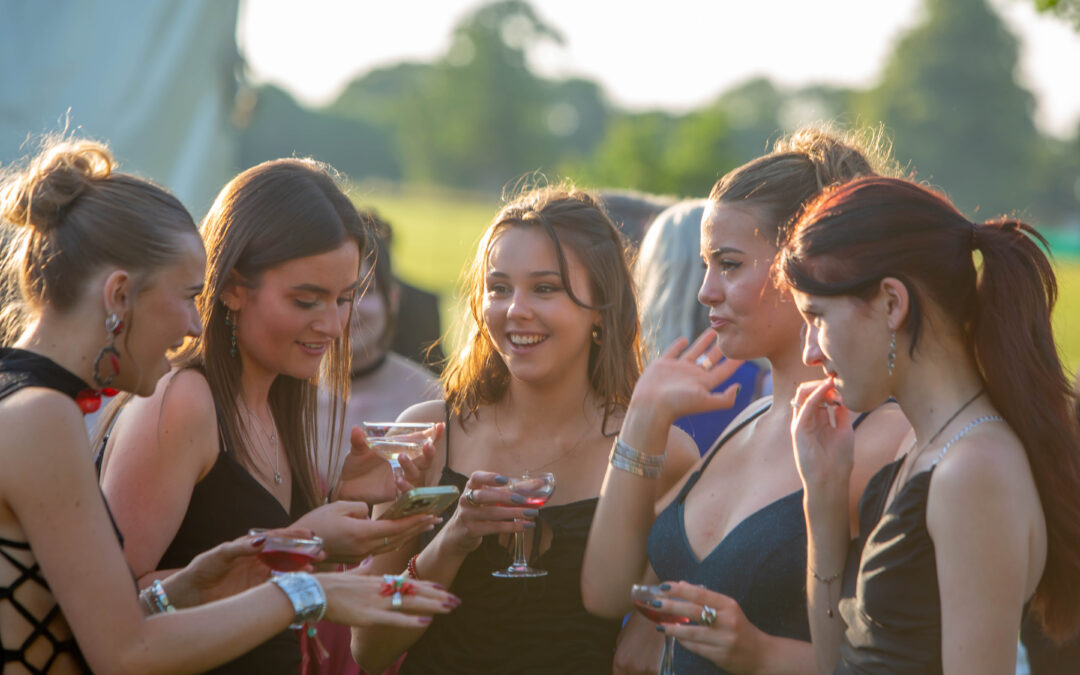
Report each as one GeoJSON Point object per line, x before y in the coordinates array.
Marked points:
{"type": "Point", "coordinates": [391, 440]}
{"type": "Point", "coordinates": [536, 488]}
{"type": "Point", "coordinates": [643, 597]}
{"type": "Point", "coordinates": [286, 553]}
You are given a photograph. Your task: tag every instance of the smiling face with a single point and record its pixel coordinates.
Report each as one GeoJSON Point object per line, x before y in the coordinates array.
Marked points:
{"type": "Point", "coordinates": [285, 324]}
{"type": "Point", "coordinates": [751, 318]}
{"type": "Point", "coordinates": [534, 325]}
{"type": "Point", "coordinates": [849, 338]}
{"type": "Point", "coordinates": [165, 314]}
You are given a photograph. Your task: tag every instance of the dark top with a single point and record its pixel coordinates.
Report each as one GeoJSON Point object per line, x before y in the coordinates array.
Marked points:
{"type": "Point", "coordinates": [760, 563]}
{"type": "Point", "coordinates": [20, 369]}
{"type": "Point", "coordinates": [224, 505]}
{"type": "Point", "coordinates": [890, 602]}
{"type": "Point", "coordinates": [519, 626]}
{"type": "Point", "coordinates": [417, 328]}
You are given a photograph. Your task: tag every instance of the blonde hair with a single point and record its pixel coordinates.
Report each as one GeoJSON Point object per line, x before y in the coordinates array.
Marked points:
{"type": "Point", "coordinates": [72, 214]}
{"type": "Point", "coordinates": [799, 167]}
{"type": "Point", "coordinates": [476, 374]}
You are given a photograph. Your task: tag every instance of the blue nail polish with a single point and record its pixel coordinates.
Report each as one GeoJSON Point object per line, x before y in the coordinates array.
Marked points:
{"type": "Point", "coordinates": [517, 499]}
{"type": "Point", "coordinates": [501, 480]}
{"type": "Point", "coordinates": [657, 603]}
{"type": "Point", "coordinates": [529, 524]}
{"type": "Point", "coordinates": [531, 513]}
{"type": "Point", "coordinates": [665, 587]}
{"type": "Point", "coordinates": [659, 628]}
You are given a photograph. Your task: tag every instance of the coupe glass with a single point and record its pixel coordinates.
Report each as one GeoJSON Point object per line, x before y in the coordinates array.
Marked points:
{"type": "Point", "coordinates": [286, 553]}
{"type": "Point", "coordinates": [642, 597]}
{"type": "Point", "coordinates": [536, 488]}
{"type": "Point", "coordinates": [391, 440]}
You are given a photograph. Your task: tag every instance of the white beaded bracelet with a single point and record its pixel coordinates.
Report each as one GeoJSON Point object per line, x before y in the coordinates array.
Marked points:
{"type": "Point", "coordinates": [306, 595]}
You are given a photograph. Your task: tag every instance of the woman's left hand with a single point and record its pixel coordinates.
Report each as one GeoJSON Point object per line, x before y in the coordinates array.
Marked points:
{"type": "Point", "coordinates": [367, 477]}
{"type": "Point", "coordinates": [731, 641]}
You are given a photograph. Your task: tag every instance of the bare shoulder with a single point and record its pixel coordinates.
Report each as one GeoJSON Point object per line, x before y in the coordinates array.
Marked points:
{"type": "Point", "coordinates": [43, 433]}
{"type": "Point", "coordinates": [879, 437]}
{"type": "Point", "coordinates": [988, 464]}
{"type": "Point", "coordinates": [428, 411]}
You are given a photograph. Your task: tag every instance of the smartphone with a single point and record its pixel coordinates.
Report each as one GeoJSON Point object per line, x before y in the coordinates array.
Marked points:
{"type": "Point", "coordinates": [431, 500]}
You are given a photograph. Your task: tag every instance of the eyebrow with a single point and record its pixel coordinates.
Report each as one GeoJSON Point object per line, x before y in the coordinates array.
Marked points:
{"type": "Point", "coordinates": [539, 273]}
{"type": "Point", "coordinates": [313, 288]}
{"type": "Point", "coordinates": [725, 249]}
{"type": "Point", "coordinates": [197, 288]}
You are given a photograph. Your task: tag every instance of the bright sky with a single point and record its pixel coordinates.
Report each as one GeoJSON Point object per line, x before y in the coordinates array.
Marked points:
{"type": "Point", "coordinates": [678, 60]}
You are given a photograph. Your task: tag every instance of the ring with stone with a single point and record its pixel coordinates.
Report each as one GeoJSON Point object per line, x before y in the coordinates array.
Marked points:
{"type": "Point", "coordinates": [396, 601]}
{"type": "Point", "coordinates": [708, 615]}
{"type": "Point", "coordinates": [705, 362]}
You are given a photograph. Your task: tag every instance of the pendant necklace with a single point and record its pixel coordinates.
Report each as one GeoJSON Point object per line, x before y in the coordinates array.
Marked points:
{"type": "Point", "coordinates": [272, 438]}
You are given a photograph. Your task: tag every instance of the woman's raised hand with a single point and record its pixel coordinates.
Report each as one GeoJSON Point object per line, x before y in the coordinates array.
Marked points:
{"type": "Point", "coordinates": [821, 434]}
{"type": "Point", "coordinates": [487, 507]}
{"type": "Point", "coordinates": [357, 599]}
{"type": "Point", "coordinates": [719, 632]}
{"type": "Point", "coordinates": [682, 379]}
{"type": "Point", "coordinates": [349, 535]}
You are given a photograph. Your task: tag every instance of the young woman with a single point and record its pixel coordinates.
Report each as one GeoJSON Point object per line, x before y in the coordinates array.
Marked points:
{"type": "Point", "coordinates": [980, 512]}
{"type": "Point", "coordinates": [540, 385]}
{"type": "Point", "coordinates": [227, 441]}
{"type": "Point", "coordinates": [733, 532]}
{"type": "Point", "coordinates": [108, 266]}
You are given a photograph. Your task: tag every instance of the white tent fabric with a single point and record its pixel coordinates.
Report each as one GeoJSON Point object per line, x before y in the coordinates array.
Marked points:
{"type": "Point", "coordinates": [153, 78]}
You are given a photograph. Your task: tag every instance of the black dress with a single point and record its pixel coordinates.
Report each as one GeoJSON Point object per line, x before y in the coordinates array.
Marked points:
{"type": "Point", "coordinates": [891, 603]}
{"type": "Point", "coordinates": [20, 369]}
{"type": "Point", "coordinates": [520, 626]}
{"type": "Point", "coordinates": [224, 505]}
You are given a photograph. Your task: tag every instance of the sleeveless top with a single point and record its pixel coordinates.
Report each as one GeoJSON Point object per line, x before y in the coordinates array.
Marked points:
{"type": "Point", "coordinates": [890, 602]}
{"type": "Point", "coordinates": [760, 563]}
{"type": "Point", "coordinates": [20, 369]}
{"type": "Point", "coordinates": [224, 505]}
{"type": "Point", "coordinates": [531, 626]}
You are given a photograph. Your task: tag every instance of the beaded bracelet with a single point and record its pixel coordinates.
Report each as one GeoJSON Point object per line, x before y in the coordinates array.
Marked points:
{"type": "Point", "coordinates": [306, 595]}
{"type": "Point", "coordinates": [410, 569]}
{"type": "Point", "coordinates": [155, 598]}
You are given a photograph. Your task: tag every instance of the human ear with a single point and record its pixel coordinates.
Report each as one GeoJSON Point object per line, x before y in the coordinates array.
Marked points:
{"type": "Point", "coordinates": [235, 292]}
{"type": "Point", "coordinates": [118, 292]}
{"type": "Point", "coordinates": [895, 301]}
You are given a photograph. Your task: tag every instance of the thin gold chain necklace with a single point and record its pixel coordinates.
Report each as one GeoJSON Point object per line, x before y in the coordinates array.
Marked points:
{"type": "Point", "coordinates": [271, 437]}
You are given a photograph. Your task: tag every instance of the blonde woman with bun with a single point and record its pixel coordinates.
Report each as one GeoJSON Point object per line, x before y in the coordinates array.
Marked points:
{"type": "Point", "coordinates": [108, 267]}
{"type": "Point", "coordinates": [729, 539]}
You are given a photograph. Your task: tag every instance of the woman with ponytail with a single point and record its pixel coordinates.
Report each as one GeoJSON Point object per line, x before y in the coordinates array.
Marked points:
{"type": "Point", "coordinates": [980, 512]}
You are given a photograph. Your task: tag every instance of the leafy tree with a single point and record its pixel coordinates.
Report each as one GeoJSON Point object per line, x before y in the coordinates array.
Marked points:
{"type": "Point", "coordinates": [950, 98]}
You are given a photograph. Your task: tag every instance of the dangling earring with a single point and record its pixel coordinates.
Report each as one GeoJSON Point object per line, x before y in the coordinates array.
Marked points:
{"type": "Point", "coordinates": [596, 334]}
{"type": "Point", "coordinates": [231, 323]}
{"type": "Point", "coordinates": [892, 353]}
{"type": "Point", "coordinates": [113, 326]}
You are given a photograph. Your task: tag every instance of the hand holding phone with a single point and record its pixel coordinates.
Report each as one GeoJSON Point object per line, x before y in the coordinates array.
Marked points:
{"type": "Point", "coordinates": [431, 500]}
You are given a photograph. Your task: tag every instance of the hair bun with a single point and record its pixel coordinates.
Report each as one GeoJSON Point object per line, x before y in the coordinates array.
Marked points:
{"type": "Point", "coordinates": [38, 195]}
{"type": "Point", "coordinates": [840, 155]}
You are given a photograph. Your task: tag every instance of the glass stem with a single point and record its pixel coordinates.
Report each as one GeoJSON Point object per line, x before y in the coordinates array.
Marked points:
{"type": "Point", "coordinates": [667, 659]}
{"type": "Point", "coordinates": [519, 550]}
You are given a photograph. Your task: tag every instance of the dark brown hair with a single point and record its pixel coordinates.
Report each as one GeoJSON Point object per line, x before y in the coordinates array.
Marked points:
{"type": "Point", "coordinates": [854, 236]}
{"type": "Point", "coordinates": [268, 215]}
{"type": "Point", "coordinates": [75, 215]}
{"type": "Point", "coordinates": [476, 375]}
{"type": "Point", "coordinates": [381, 277]}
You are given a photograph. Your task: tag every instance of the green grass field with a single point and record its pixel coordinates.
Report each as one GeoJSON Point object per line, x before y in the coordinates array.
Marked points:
{"type": "Point", "coordinates": [436, 232]}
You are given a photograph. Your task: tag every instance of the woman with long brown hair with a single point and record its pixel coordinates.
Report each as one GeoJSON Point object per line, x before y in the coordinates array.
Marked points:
{"type": "Point", "coordinates": [108, 266]}
{"type": "Point", "coordinates": [980, 511]}
{"type": "Point", "coordinates": [539, 385]}
{"type": "Point", "coordinates": [227, 441]}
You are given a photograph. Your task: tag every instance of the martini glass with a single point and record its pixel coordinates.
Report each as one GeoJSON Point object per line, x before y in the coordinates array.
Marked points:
{"type": "Point", "coordinates": [286, 553]}
{"type": "Point", "coordinates": [393, 440]}
{"type": "Point", "coordinates": [536, 489]}
{"type": "Point", "coordinates": [643, 597]}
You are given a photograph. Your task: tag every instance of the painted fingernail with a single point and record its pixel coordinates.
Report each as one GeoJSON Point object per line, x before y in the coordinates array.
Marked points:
{"type": "Point", "coordinates": [530, 513]}
{"type": "Point", "coordinates": [529, 524]}
{"type": "Point", "coordinates": [657, 603]}
{"type": "Point", "coordinates": [517, 499]}
{"type": "Point", "coordinates": [659, 628]}
{"type": "Point", "coordinates": [501, 480]}
{"type": "Point", "coordinates": [439, 586]}
{"type": "Point", "coordinates": [450, 605]}
{"type": "Point", "coordinates": [665, 587]}
{"type": "Point", "coordinates": [258, 540]}
{"type": "Point", "coordinates": [423, 620]}
{"type": "Point", "coordinates": [738, 389]}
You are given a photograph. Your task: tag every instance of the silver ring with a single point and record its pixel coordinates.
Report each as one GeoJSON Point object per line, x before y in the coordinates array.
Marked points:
{"type": "Point", "coordinates": [705, 362]}
{"type": "Point", "coordinates": [386, 541]}
{"type": "Point", "coordinates": [396, 601]}
{"type": "Point", "coordinates": [708, 616]}
{"type": "Point", "coordinates": [469, 497]}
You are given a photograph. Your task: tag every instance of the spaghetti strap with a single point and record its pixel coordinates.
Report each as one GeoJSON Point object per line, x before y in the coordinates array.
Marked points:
{"type": "Point", "coordinates": [446, 463]}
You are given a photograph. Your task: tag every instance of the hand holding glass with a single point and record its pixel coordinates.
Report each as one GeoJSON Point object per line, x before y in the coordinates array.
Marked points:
{"type": "Point", "coordinates": [535, 489]}
{"type": "Point", "coordinates": [286, 553]}
{"type": "Point", "coordinates": [643, 598]}
{"type": "Point", "coordinates": [392, 440]}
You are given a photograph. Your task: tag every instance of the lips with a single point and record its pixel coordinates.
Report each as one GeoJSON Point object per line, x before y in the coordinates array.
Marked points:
{"type": "Point", "coordinates": [525, 340]}
{"type": "Point", "coordinates": [313, 348]}
{"type": "Point", "coordinates": [716, 322]}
